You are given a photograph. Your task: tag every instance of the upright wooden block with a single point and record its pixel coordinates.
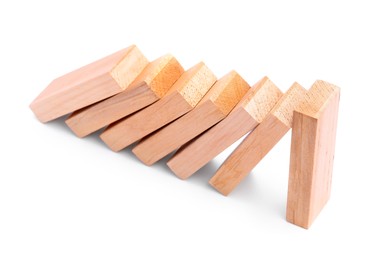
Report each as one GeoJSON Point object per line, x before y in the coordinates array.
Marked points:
{"type": "Point", "coordinates": [312, 154]}
{"type": "Point", "coordinates": [250, 111]}
{"type": "Point", "coordinates": [89, 84]}
{"type": "Point", "coordinates": [181, 98]}
{"type": "Point", "coordinates": [151, 85]}
{"type": "Point", "coordinates": [215, 106]}
{"type": "Point", "coordinates": [258, 143]}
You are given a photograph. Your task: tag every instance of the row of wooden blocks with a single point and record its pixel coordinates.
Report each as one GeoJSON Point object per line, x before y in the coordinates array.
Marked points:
{"type": "Point", "coordinates": [168, 109]}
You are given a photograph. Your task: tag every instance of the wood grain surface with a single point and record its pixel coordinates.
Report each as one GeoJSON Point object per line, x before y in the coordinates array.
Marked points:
{"type": "Point", "coordinates": [151, 85]}
{"type": "Point", "coordinates": [214, 106]}
{"type": "Point", "coordinates": [259, 142]}
{"type": "Point", "coordinates": [184, 95]}
{"type": "Point", "coordinates": [247, 114]}
{"type": "Point", "coordinates": [312, 153]}
{"type": "Point", "coordinates": [89, 84]}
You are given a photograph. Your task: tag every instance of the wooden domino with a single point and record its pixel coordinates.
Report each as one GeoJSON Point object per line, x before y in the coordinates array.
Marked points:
{"type": "Point", "coordinates": [89, 84]}
{"type": "Point", "coordinates": [195, 115]}
{"type": "Point", "coordinates": [151, 85]}
{"type": "Point", "coordinates": [250, 111]}
{"type": "Point", "coordinates": [185, 94]}
{"type": "Point", "coordinates": [312, 153]}
{"type": "Point", "coordinates": [214, 106]}
{"type": "Point", "coordinates": [258, 143]}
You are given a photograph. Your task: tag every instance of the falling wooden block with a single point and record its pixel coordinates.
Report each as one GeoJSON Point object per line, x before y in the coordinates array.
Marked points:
{"type": "Point", "coordinates": [181, 98]}
{"type": "Point", "coordinates": [258, 143]}
{"type": "Point", "coordinates": [151, 85]}
{"type": "Point", "coordinates": [312, 154]}
{"type": "Point", "coordinates": [214, 106]}
{"type": "Point", "coordinates": [250, 111]}
{"type": "Point", "coordinates": [89, 84]}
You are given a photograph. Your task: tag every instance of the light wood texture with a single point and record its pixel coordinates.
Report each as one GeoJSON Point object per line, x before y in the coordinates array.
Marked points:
{"type": "Point", "coordinates": [151, 85]}
{"type": "Point", "coordinates": [250, 111]}
{"type": "Point", "coordinates": [180, 99]}
{"type": "Point", "coordinates": [89, 84]}
{"type": "Point", "coordinates": [215, 106]}
{"type": "Point", "coordinates": [258, 143]}
{"type": "Point", "coordinates": [312, 154]}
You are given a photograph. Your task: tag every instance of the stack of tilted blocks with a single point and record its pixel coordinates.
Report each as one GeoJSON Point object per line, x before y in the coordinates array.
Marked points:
{"type": "Point", "coordinates": [197, 115]}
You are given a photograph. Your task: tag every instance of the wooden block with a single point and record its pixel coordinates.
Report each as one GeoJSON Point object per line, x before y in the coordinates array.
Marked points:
{"type": "Point", "coordinates": [258, 143]}
{"type": "Point", "coordinates": [89, 84]}
{"type": "Point", "coordinates": [312, 154]}
{"type": "Point", "coordinates": [215, 106]}
{"type": "Point", "coordinates": [181, 98]}
{"type": "Point", "coordinates": [250, 111]}
{"type": "Point", "coordinates": [151, 85]}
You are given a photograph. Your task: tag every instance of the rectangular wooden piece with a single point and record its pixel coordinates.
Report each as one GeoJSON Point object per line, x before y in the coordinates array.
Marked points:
{"type": "Point", "coordinates": [89, 84]}
{"type": "Point", "coordinates": [151, 85]}
{"type": "Point", "coordinates": [258, 143]}
{"type": "Point", "coordinates": [247, 114]}
{"type": "Point", "coordinates": [214, 106]}
{"type": "Point", "coordinates": [312, 154]}
{"type": "Point", "coordinates": [184, 95]}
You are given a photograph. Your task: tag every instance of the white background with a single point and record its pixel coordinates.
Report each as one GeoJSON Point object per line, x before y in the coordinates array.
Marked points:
{"type": "Point", "coordinates": [62, 197]}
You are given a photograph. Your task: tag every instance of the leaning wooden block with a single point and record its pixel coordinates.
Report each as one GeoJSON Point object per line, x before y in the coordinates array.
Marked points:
{"type": "Point", "coordinates": [215, 106]}
{"type": "Point", "coordinates": [250, 111]}
{"type": "Point", "coordinates": [258, 143]}
{"type": "Point", "coordinates": [312, 154]}
{"type": "Point", "coordinates": [181, 98]}
{"type": "Point", "coordinates": [151, 85]}
{"type": "Point", "coordinates": [89, 84]}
